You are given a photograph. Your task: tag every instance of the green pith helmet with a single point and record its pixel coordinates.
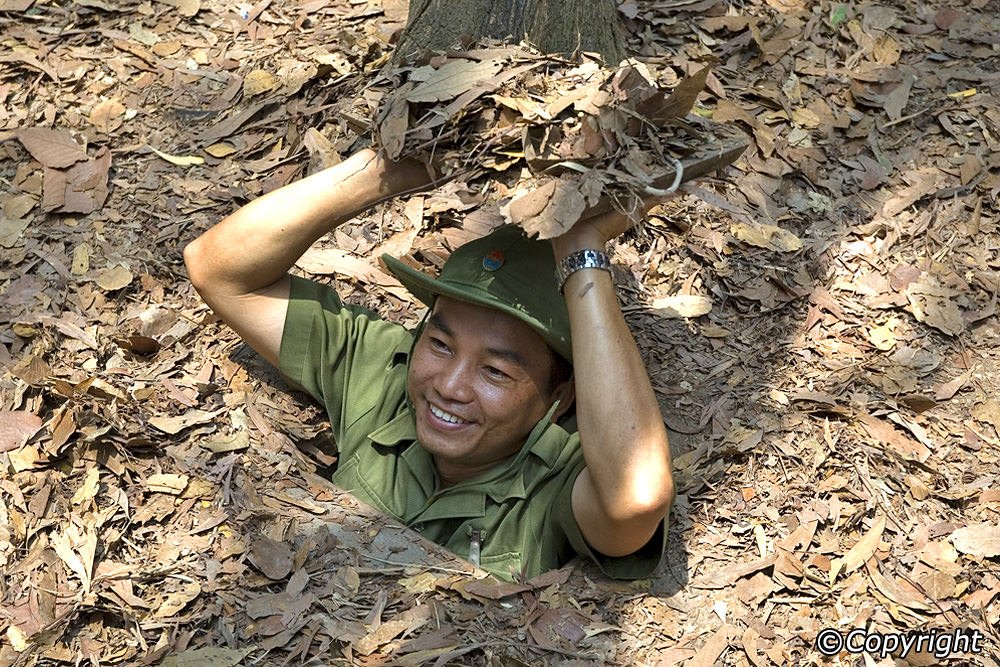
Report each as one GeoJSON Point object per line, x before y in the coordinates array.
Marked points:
{"type": "Point", "coordinates": [506, 271]}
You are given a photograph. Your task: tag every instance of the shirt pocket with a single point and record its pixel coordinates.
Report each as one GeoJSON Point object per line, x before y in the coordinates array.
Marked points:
{"type": "Point", "coordinates": [504, 565]}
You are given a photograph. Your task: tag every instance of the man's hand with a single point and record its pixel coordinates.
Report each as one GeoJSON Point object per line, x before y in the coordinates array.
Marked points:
{"type": "Point", "coordinates": [602, 228]}
{"type": "Point", "coordinates": [597, 230]}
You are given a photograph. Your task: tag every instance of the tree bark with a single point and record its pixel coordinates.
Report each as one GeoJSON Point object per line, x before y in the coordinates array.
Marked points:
{"type": "Point", "coordinates": [553, 26]}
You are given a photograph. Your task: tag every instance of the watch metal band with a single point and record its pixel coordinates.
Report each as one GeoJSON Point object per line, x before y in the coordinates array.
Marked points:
{"type": "Point", "coordinates": [581, 259]}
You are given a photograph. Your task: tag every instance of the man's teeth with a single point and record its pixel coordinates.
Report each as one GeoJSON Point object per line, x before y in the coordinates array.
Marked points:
{"type": "Point", "coordinates": [441, 414]}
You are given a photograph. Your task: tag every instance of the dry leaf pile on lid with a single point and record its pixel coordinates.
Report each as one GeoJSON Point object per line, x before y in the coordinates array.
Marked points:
{"type": "Point", "coordinates": [567, 138]}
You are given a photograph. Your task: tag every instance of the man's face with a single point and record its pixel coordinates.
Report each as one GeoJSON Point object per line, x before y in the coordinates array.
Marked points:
{"type": "Point", "coordinates": [479, 382]}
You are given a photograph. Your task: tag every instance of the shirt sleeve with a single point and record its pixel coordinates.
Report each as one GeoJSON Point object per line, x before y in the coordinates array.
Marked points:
{"type": "Point", "coordinates": [344, 356]}
{"type": "Point", "coordinates": [637, 565]}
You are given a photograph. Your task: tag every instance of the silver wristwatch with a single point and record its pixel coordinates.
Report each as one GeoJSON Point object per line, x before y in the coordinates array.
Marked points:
{"type": "Point", "coordinates": [581, 259]}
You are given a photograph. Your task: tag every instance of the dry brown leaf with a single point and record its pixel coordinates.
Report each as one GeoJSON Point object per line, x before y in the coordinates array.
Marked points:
{"type": "Point", "coordinates": [62, 427]}
{"type": "Point", "coordinates": [114, 278]}
{"type": "Point", "coordinates": [899, 97]}
{"type": "Point", "coordinates": [81, 260]}
{"type": "Point", "coordinates": [220, 150]}
{"type": "Point", "coordinates": [293, 75]}
{"type": "Point", "coordinates": [712, 649]}
{"type": "Point", "coordinates": [424, 582]}
{"type": "Point", "coordinates": [885, 435]}
{"type": "Point", "coordinates": [334, 261]}
{"type": "Point", "coordinates": [939, 585]}
{"type": "Point", "coordinates": [86, 184]}
{"type": "Point", "coordinates": [788, 6]}
{"type": "Point", "coordinates": [393, 126]}
{"type": "Point", "coordinates": [806, 117]}
{"type": "Point", "coordinates": [947, 391]}
{"type": "Point", "coordinates": [492, 589]}
{"type": "Point", "coordinates": [529, 204]}
{"type": "Point", "coordinates": [107, 116]}
{"type": "Point", "coordinates": [24, 458]}
{"type": "Point", "coordinates": [895, 590]}
{"type": "Point", "coordinates": [751, 642]}
{"type": "Point", "coordinates": [16, 428]}
{"type": "Point", "coordinates": [12, 232]}
{"type": "Point", "coordinates": [934, 304]}
{"type": "Point", "coordinates": [73, 331]}
{"type": "Point", "coordinates": [167, 483]}
{"type": "Point", "coordinates": [989, 496]}
{"type": "Point", "coordinates": [138, 32]}
{"type": "Point", "coordinates": [683, 305]}
{"type": "Point", "coordinates": [53, 148]}
{"type": "Point", "coordinates": [727, 575]}
{"type": "Point", "coordinates": [884, 337]}
{"type": "Point", "coordinates": [18, 206]}
{"type": "Point", "coordinates": [166, 49]}
{"type": "Point", "coordinates": [558, 624]}
{"type": "Point", "coordinates": [212, 656]}
{"type": "Point", "coordinates": [940, 555]}
{"type": "Point", "coordinates": [918, 489]}
{"type": "Point", "coordinates": [988, 412]}
{"type": "Point", "coordinates": [22, 330]}
{"type": "Point", "coordinates": [232, 443]}
{"type": "Point", "coordinates": [923, 182]}
{"type": "Point", "coordinates": [180, 161]}
{"type": "Point", "coordinates": [174, 425]}
{"type": "Point", "coordinates": [680, 101]}
{"type": "Point", "coordinates": [76, 546]}
{"type": "Point", "coordinates": [417, 658]}
{"type": "Point", "coordinates": [177, 600]}
{"type": "Point", "coordinates": [451, 79]}
{"type": "Point", "coordinates": [321, 150]}
{"type": "Point", "coordinates": [762, 235]}
{"type": "Point", "coordinates": [186, 8]}
{"type": "Point", "coordinates": [862, 550]}
{"type": "Point", "coordinates": [562, 205]}
{"type": "Point", "coordinates": [346, 580]}
{"type": "Point", "coordinates": [981, 540]}
{"type": "Point", "coordinates": [88, 490]}
{"type": "Point", "coordinates": [15, 5]}
{"type": "Point", "coordinates": [714, 331]}
{"type": "Point", "coordinates": [754, 590]}
{"type": "Point", "coordinates": [271, 557]}
{"type": "Point", "coordinates": [18, 640]}
{"type": "Point", "coordinates": [408, 622]}
{"type": "Point", "coordinates": [258, 81]}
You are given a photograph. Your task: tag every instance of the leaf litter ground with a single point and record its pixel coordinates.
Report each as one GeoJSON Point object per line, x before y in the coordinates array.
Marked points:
{"type": "Point", "coordinates": [818, 320]}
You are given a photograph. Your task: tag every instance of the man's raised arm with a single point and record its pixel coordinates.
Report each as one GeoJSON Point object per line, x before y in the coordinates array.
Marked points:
{"type": "Point", "coordinates": [627, 487]}
{"type": "Point", "coordinates": [240, 266]}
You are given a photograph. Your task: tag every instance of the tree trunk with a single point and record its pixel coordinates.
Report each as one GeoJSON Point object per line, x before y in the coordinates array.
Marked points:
{"type": "Point", "coordinates": [553, 26]}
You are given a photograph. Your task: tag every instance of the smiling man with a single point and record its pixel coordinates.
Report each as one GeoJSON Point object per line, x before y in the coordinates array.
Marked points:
{"type": "Point", "coordinates": [465, 429]}
{"type": "Point", "coordinates": [479, 381]}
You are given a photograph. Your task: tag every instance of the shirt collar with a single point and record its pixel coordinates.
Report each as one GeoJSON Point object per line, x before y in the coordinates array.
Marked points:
{"type": "Point", "coordinates": [400, 428]}
{"type": "Point", "coordinates": [511, 479]}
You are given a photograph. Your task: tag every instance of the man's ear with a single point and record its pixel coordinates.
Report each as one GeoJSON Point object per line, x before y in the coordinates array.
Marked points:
{"type": "Point", "coordinates": [565, 393]}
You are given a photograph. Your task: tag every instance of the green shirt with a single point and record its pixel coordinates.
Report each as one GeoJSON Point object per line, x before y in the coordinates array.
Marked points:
{"type": "Point", "coordinates": [355, 364]}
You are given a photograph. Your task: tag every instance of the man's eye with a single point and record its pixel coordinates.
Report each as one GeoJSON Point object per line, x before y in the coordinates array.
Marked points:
{"type": "Point", "coordinates": [438, 345]}
{"type": "Point", "coordinates": [496, 373]}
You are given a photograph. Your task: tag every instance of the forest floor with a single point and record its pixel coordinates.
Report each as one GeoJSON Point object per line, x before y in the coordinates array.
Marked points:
{"type": "Point", "coordinates": [834, 416]}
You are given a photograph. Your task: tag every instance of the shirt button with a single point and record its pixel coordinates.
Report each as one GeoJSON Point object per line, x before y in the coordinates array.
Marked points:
{"type": "Point", "coordinates": [419, 527]}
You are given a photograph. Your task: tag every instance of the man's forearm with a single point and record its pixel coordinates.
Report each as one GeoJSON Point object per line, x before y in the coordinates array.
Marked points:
{"type": "Point", "coordinates": [621, 429]}
{"type": "Point", "coordinates": [257, 245]}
